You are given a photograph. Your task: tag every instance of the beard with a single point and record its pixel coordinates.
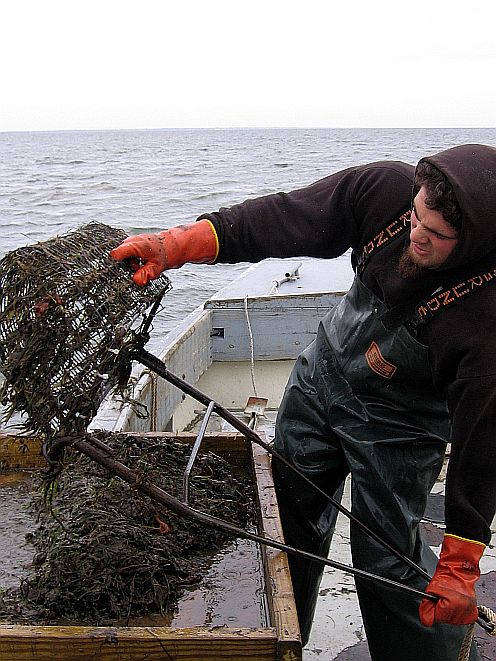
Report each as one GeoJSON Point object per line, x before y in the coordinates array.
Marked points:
{"type": "Point", "coordinates": [407, 266]}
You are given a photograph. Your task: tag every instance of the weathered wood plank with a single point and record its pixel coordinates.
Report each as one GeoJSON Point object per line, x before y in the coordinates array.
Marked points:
{"type": "Point", "coordinates": [25, 451]}
{"type": "Point", "coordinates": [21, 643]}
{"type": "Point", "coordinates": [279, 589]}
{"type": "Point", "coordinates": [281, 328]}
{"type": "Point", "coordinates": [18, 451]}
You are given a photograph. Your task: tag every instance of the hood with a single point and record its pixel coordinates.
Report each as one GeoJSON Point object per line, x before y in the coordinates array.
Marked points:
{"type": "Point", "coordinates": [471, 170]}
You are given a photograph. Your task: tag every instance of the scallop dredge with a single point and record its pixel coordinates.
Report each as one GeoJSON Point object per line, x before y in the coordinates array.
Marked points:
{"type": "Point", "coordinates": [104, 551]}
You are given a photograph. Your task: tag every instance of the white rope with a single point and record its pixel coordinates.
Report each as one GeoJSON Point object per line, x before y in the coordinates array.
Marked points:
{"type": "Point", "coordinates": [288, 277]}
{"type": "Point", "coordinates": [252, 348]}
{"type": "Point", "coordinates": [275, 287]}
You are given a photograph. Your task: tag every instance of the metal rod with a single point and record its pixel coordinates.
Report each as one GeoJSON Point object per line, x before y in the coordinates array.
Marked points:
{"type": "Point", "coordinates": [195, 450]}
{"type": "Point", "coordinates": [145, 327]}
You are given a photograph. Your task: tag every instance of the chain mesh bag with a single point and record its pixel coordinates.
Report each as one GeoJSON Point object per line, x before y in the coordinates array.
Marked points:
{"type": "Point", "coordinates": [65, 307]}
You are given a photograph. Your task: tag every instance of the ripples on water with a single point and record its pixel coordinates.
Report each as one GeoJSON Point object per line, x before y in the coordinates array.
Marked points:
{"type": "Point", "coordinates": [145, 181]}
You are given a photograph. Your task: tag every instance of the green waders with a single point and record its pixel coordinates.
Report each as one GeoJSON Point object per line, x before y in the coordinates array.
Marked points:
{"type": "Point", "coordinates": [360, 400]}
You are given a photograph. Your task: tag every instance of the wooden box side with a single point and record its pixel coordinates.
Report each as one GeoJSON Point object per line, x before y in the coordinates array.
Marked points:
{"type": "Point", "coordinates": [279, 589]}
{"type": "Point", "coordinates": [27, 643]}
{"type": "Point", "coordinates": [20, 452]}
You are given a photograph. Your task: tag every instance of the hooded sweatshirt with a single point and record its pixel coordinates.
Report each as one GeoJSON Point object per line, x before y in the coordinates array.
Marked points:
{"type": "Point", "coordinates": [347, 210]}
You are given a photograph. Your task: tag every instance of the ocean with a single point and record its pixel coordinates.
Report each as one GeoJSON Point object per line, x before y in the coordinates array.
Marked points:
{"type": "Point", "coordinates": [148, 180]}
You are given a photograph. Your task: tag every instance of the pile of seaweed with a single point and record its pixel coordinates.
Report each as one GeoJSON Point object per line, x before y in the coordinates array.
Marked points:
{"type": "Point", "coordinates": [105, 552]}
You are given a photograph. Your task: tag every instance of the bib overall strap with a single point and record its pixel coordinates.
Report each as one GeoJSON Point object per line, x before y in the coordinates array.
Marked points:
{"type": "Point", "coordinates": [445, 297]}
{"type": "Point", "coordinates": [381, 240]}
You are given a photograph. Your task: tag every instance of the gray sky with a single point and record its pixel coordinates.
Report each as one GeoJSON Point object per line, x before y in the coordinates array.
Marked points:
{"type": "Point", "coordinates": [68, 64]}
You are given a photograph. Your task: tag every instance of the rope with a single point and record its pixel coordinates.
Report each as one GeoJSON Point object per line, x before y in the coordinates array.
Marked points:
{"type": "Point", "coordinates": [466, 644]}
{"type": "Point", "coordinates": [488, 615]}
{"type": "Point", "coordinates": [275, 287]}
{"type": "Point", "coordinates": [290, 276]}
{"type": "Point", "coordinates": [252, 348]}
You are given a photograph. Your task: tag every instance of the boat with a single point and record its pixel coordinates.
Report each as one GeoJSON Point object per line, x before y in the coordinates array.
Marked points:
{"type": "Point", "coordinates": [238, 349]}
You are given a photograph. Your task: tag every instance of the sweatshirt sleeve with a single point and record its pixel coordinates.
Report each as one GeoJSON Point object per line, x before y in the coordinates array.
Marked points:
{"type": "Point", "coordinates": [470, 481]}
{"type": "Point", "coordinates": [463, 349]}
{"type": "Point", "coordinates": [323, 219]}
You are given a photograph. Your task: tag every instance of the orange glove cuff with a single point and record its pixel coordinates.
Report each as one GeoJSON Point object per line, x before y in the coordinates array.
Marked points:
{"type": "Point", "coordinates": [196, 243]}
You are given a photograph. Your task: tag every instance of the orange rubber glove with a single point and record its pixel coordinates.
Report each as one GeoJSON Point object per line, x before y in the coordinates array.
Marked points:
{"type": "Point", "coordinates": [150, 254]}
{"type": "Point", "coordinates": [453, 582]}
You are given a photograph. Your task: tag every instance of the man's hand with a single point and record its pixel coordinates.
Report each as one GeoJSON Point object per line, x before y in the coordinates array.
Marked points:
{"type": "Point", "coordinates": [454, 582]}
{"type": "Point", "coordinates": [150, 254]}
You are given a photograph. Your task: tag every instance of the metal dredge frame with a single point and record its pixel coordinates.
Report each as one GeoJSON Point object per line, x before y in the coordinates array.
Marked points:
{"type": "Point", "coordinates": [65, 307]}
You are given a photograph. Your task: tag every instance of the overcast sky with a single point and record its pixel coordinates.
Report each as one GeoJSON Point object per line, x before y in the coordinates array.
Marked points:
{"type": "Point", "coordinates": [73, 64]}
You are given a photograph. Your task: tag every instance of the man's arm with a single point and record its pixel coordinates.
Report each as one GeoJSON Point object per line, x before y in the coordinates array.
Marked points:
{"type": "Point", "coordinates": [341, 211]}
{"type": "Point", "coordinates": [321, 220]}
{"type": "Point", "coordinates": [462, 350]}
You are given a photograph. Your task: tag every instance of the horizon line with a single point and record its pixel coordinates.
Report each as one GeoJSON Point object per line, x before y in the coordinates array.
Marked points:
{"type": "Point", "coordinates": [245, 128]}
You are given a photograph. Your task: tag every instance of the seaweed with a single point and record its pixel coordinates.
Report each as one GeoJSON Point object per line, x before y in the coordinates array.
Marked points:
{"type": "Point", "coordinates": [104, 552]}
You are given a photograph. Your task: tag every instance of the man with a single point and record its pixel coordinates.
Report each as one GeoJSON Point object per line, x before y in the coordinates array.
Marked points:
{"type": "Point", "coordinates": [405, 363]}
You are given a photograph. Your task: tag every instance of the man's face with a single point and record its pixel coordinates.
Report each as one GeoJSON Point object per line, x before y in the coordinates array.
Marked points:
{"type": "Point", "coordinates": [432, 238]}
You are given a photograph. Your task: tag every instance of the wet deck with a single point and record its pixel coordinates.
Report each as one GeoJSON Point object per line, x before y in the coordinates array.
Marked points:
{"type": "Point", "coordinates": [338, 632]}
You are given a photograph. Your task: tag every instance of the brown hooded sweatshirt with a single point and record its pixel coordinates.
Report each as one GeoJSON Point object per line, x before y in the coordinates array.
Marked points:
{"type": "Point", "coordinates": [347, 210]}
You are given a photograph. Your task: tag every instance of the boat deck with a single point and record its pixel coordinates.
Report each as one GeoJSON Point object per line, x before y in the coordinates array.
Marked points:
{"type": "Point", "coordinates": [338, 632]}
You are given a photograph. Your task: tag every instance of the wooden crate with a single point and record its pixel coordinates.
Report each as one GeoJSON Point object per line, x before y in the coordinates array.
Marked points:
{"type": "Point", "coordinates": [278, 642]}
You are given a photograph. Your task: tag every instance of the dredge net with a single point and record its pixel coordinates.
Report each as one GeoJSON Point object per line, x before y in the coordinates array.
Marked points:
{"type": "Point", "coordinates": [65, 308]}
